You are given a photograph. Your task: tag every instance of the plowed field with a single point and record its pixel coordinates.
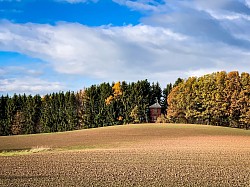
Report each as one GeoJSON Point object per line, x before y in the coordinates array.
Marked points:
{"type": "Point", "coordinates": [130, 155]}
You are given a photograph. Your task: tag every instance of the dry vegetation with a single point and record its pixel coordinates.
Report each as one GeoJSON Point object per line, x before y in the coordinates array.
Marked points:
{"type": "Point", "coordinates": [132, 155]}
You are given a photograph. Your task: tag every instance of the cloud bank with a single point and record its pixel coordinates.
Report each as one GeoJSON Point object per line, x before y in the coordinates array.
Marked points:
{"type": "Point", "coordinates": [175, 39]}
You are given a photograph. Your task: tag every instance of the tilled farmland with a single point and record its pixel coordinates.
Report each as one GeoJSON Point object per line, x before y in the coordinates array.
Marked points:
{"type": "Point", "coordinates": [149, 155]}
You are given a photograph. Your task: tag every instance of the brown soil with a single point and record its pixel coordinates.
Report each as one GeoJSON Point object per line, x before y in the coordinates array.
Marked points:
{"type": "Point", "coordinates": [148, 155]}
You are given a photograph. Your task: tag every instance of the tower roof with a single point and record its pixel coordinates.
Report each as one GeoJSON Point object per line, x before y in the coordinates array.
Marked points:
{"type": "Point", "coordinates": [156, 105]}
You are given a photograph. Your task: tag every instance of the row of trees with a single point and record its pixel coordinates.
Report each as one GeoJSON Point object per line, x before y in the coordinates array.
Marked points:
{"type": "Point", "coordinates": [217, 99]}
{"type": "Point", "coordinates": [99, 105]}
{"type": "Point", "coordinates": [23, 114]}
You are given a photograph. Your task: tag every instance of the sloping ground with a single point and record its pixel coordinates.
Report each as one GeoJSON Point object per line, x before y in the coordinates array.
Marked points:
{"type": "Point", "coordinates": [131, 155]}
{"type": "Point", "coordinates": [124, 136]}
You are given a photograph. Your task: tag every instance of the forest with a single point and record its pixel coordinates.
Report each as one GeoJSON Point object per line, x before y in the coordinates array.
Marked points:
{"type": "Point", "coordinates": [97, 106]}
{"type": "Point", "coordinates": [220, 98]}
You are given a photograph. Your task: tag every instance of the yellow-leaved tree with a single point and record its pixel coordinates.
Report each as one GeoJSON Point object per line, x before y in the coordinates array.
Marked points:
{"type": "Point", "coordinates": [117, 91]}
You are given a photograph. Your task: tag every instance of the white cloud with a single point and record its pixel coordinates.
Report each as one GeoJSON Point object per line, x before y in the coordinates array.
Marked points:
{"type": "Point", "coordinates": [120, 53]}
{"type": "Point", "coordinates": [206, 21]}
{"type": "Point", "coordinates": [29, 85]}
{"type": "Point", "coordinates": [187, 42]}
{"type": "Point", "coordinates": [247, 3]}
{"type": "Point", "coordinates": [176, 39]}
{"type": "Point", "coordinates": [19, 79]}
{"type": "Point", "coordinates": [19, 70]}
{"type": "Point", "coordinates": [101, 52]}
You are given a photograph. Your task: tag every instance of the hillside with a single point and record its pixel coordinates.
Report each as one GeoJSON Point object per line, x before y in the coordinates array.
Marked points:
{"type": "Point", "coordinates": [124, 136]}
{"type": "Point", "coordinates": [129, 155]}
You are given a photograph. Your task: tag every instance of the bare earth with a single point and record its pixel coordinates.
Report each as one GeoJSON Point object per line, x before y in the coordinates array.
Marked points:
{"type": "Point", "coordinates": [130, 155]}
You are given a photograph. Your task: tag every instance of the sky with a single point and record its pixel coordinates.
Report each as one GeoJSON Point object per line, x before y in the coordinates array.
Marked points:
{"type": "Point", "coordinates": [59, 45]}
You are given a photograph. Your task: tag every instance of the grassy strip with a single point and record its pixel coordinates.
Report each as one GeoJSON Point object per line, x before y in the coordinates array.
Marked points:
{"type": "Point", "coordinates": [25, 151]}
{"type": "Point", "coordinates": [42, 149]}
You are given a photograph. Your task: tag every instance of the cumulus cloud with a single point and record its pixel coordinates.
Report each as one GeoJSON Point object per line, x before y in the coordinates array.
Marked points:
{"type": "Point", "coordinates": [121, 53]}
{"type": "Point", "coordinates": [176, 39]}
{"type": "Point", "coordinates": [205, 20]}
{"type": "Point", "coordinates": [98, 52]}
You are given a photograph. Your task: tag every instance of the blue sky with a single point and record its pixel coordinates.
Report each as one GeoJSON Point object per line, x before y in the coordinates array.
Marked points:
{"type": "Point", "coordinates": [58, 45]}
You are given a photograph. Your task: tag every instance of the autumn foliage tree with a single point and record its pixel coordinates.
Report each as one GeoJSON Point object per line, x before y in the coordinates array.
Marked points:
{"type": "Point", "coordinates": [218, 99]}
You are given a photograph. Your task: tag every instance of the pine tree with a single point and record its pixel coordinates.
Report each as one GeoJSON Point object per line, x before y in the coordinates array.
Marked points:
{"type": "Point", "coordinates": [166, 91]}
{"type": "Point", "coordinates": [36, 115]}
{"type": "Point", "coordinates": [3, 115]}
{"type": "Point", "coordinates": [46, 118]}
{"type": "Point", "coordinates": [80, 97]}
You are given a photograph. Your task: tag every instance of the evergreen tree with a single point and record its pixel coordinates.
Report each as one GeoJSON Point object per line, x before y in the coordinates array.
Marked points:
{"type": "Point", "coordinates": [46, 118]}
{"type": "Point", "coordinates": [28, 112]}
{"type": "Point", "coordinates": [71, 112]}
{"type": "Point", "coordinates": [80, 97]}
{"type": "Point", "coordinates": [3, 115]}
{"type": "Point", "coordinates": [36, 115]}
{"type": "Point", "coordinates": [166, 91]}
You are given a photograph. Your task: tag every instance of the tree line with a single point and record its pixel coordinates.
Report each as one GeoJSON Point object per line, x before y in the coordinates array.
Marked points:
{"type": "Point", "coordinates": [99, 105]}
{"type": "Point", "coordinates": [220, 98]}
{"type": "Point", "coordinates": [21, 114]}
